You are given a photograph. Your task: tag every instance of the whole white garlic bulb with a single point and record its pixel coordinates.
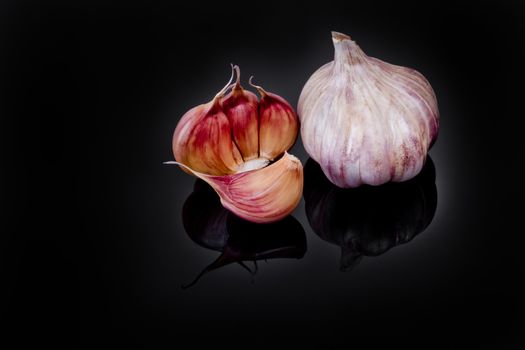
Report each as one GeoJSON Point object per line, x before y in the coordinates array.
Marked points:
{"type": "Point", "coordinates": [366, 121]}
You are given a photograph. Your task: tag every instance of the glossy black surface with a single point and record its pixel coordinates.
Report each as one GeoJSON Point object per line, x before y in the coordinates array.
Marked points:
{"type": "Point", "coordinates": [93, 240]}
{"type": "Point", "coordinates": [211, 226]}
{"type": "Point", "coordinates": [368, 221]}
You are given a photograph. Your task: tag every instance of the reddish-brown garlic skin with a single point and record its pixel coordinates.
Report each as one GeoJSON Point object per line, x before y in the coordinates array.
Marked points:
{"type": "Point", "coordinates": [279, 125]}
{"type": "Point", "coordinates": [202, 141]}
{"type": "Point", "coordinates": [241, 108]}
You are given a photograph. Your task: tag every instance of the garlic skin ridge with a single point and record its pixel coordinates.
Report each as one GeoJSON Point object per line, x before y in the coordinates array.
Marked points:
{"type": "Point", "coordinates": [366, 121]}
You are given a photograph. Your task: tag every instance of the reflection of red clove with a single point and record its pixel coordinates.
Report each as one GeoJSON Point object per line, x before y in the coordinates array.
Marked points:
{"type": "Point", "coordinates": [211, 226]}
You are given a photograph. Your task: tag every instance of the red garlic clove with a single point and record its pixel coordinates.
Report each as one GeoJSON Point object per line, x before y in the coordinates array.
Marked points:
{"type": "Point", "coordinates": [203, 141]}
{"type": "Point", "coordinates": [278, 124]}
{"type": "Point", "coordinates": [240, 106]}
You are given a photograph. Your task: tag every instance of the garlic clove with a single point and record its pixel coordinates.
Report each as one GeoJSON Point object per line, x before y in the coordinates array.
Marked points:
{"type": "Point", "coordinates": [278, 124]}
{"type": "Point", "coordinates": [240, 106]}
{"type": "Point", "coordinates": [203, 139]}
{"type": "Point", "coordinates": [366, 121]}
{"type": "Point", "coordinates": [262, 195]}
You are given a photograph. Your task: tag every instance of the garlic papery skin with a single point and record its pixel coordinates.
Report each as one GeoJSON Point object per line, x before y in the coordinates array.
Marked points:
{"type": "Point", "coordinates": [263, 195]}
{"type": "Point", "coordinates": [366, 121]}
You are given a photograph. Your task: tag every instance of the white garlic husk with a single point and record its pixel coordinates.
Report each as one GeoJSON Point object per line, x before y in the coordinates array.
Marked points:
{"type": "Point", "coordinates": [366, 121]}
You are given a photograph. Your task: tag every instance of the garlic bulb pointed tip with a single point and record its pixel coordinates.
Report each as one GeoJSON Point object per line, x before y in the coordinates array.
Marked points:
{"type": "Point", "coordinates": [336, 36]}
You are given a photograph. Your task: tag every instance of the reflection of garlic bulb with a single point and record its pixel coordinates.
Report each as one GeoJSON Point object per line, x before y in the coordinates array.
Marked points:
{"type": "Point", "coordinates": [366, 121]}
{"type": "Point", "coordinates": [369, 220]}
{"type": "Point", "coordinates": [238, 145]}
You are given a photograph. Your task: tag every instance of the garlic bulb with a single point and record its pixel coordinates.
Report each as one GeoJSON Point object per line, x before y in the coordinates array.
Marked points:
{"type": "Point", "coordinates": [366, 121]}
{"type": "Point", "coordinates": [278, 123]}
{"type": "Point", "coordinates": [238, 145]}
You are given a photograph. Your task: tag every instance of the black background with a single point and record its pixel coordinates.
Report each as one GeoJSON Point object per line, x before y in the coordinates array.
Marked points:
{"type": "Point", "coordinates": [92, 243]}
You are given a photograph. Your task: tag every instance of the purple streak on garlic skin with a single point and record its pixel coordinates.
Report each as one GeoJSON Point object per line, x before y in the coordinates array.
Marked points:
{"type": "Point", "coordinates": [366, 121]}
